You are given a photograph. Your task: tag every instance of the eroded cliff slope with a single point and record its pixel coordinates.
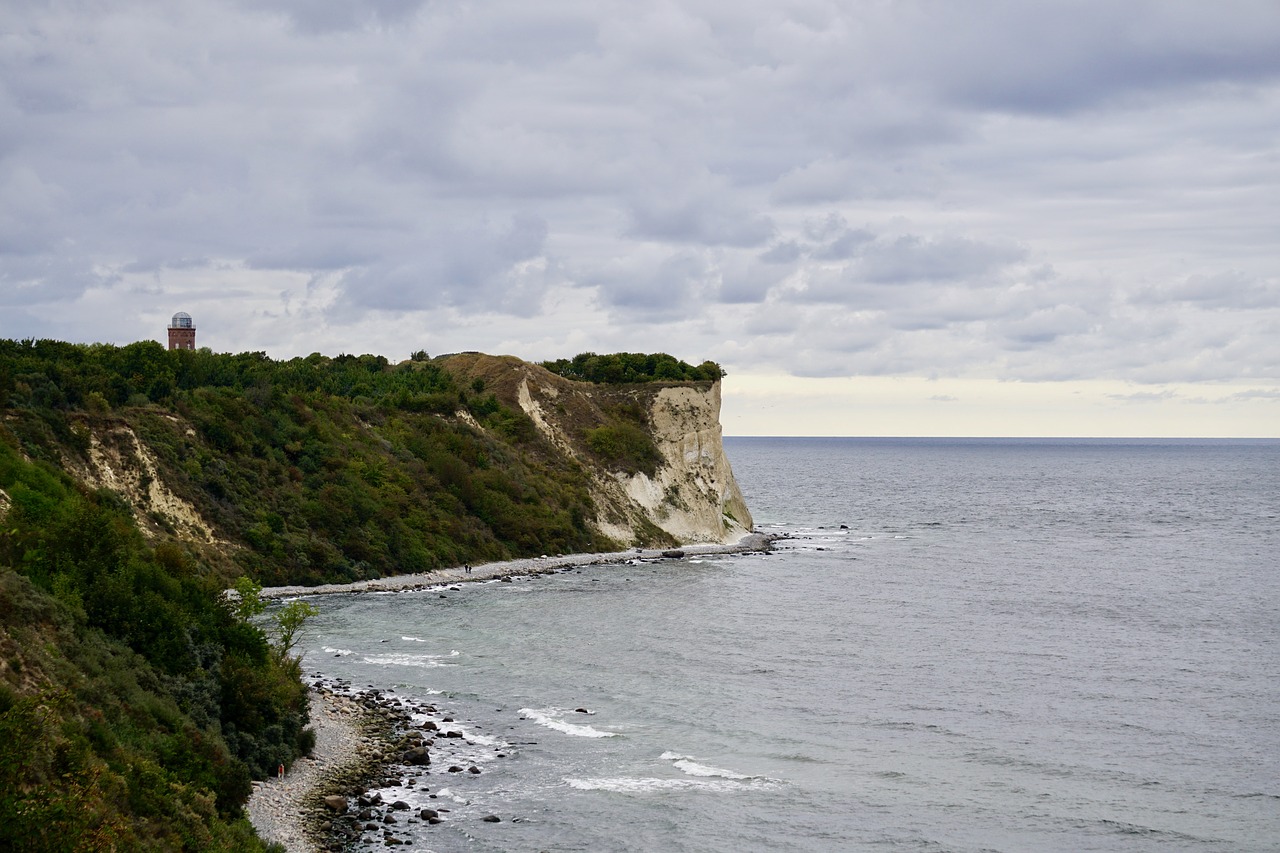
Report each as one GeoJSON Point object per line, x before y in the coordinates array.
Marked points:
{"type": "Point", "coordinates": [680, 490]}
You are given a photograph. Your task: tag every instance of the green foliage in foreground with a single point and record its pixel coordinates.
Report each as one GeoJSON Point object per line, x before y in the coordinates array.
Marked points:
{"type": "Point", "coordinates": [135, 706]}
{"type": "Point", "coordinates": [629, 367]}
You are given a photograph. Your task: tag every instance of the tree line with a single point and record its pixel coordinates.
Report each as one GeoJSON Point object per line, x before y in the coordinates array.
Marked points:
{"type": "Point", "coordinates": [632, 367]}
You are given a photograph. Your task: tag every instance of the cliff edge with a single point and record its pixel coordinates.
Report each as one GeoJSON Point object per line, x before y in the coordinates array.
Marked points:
{"type": "Point", "coordinates": [676, 488]}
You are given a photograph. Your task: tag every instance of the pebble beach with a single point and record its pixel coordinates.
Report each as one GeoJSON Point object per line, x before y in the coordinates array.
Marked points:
{"type": "Point", "coordinates": [276, 805]}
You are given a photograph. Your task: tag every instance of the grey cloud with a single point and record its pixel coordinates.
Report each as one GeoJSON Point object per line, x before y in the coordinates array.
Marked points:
{"type": "Point", "coordinates": [1230, 289]}
{"type": "Point", "coordinates": [784, 252]}
{"type": "Point", "coordinates": [775, 319]}
{"type": "Point", "coordinates": [707, 220]}
{"type": "Point", "coordinates": [843, 245]}
{"type": "Point", "coordinates": [745, 280]}
{"type": "Point", "coordinates": [313, 256]}
{"type": "Point", "coordinates": [1045, 325]}
{"type": "Point", "coordinates": [473, 267]}
{"type": "Point", "coordinates": [831, 237]}
{"type": "Point", "coordinates": [1063, 56]}
{"type": "Point", "coordinates": [914, 258]}
{"type": "Point", "coordinates": [48, 279]}
{"type": "Point", "coordinates": [328, 16]}
{"type": "Point", "coordinates": [657, 288]}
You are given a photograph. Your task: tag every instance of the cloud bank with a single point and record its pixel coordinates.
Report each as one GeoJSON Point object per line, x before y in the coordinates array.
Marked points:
{"type": "Point", "coordinates": [997, 190]}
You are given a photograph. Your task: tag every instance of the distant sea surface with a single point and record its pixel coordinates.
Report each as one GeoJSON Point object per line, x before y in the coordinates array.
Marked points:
{"type": "Point", "coordinates": [962, 645]}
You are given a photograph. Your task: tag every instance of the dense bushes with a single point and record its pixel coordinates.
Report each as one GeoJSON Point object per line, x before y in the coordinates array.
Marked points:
{"type": "Point", "coordinates": [624, 367]}
{"type": "Point", "coordinates": [134, 706]}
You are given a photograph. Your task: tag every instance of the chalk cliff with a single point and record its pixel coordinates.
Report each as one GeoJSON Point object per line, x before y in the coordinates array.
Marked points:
{"type": "Point", "coordinates": [688, 495]}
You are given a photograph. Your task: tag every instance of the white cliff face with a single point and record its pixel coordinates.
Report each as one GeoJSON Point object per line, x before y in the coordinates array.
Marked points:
{"type": "Point", "coordinates": [694, 496]}
{"type": "Point", "coordinates": [691, 497]}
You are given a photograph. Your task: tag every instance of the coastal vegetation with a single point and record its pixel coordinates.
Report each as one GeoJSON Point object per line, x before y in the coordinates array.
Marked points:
{"type": "Point", "coordinates": [138, 699]}
{"type": "Point", "coordinates": [135, 706]}
{"type": "Point", "coordinates": [625, 367]}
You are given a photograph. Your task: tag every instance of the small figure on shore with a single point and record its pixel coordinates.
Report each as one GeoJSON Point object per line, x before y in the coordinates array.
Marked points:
{"type": "Point", "coordinates": [468, 568]}
{"type": "Point", "coordinates": [280, 772]}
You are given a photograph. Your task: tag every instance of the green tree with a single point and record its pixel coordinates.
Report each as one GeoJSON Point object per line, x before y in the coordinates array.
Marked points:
{"type": "Point", "coordinates": [289, 624]}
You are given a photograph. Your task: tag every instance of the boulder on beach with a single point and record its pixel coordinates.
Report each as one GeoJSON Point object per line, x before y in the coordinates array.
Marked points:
{"type": "Point", "coordinates": [336, 802]}
{"type": "Point", "coordinates": [416, 757]}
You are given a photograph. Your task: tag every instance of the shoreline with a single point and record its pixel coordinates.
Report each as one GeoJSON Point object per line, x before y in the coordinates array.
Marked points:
{"type": "Point", "coordinates": [752, 542]}
{"type": "Point", "coordinates": [280, 809]}
{"type": "Point", "coordinates": [363, 735]}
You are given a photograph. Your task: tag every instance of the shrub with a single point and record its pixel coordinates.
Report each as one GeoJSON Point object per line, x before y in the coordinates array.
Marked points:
{"type": "Point", "coordinates": [625, 447]}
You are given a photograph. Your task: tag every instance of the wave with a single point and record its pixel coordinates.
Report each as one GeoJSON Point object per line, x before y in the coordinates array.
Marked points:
{"type": "Point", "coordinates": [688, 765]}
{"type": "Point", "coordinates": [550, 717]}
{"type": "Point", "coordinates": [338, 652]}
{"type": "Point", "coordinates": [645, 785]}
{"type": "Point", "coordinates": [693, 768]}
{"type": "Point", "coordinates": [420, 661]}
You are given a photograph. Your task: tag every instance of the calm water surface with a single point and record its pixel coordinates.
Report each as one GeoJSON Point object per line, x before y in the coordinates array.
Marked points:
{"type": "Point", "coordinates": [967, 645]}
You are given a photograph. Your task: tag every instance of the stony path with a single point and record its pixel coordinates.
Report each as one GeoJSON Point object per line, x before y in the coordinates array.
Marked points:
{"type": "Point", "coordinates": [275, 807]}
{"type": "Point", "coordinates": [507, 568]}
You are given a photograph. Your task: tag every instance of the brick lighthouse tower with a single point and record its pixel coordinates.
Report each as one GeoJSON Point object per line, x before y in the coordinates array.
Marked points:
{"type": "Point", "coordinates": [182, 332]}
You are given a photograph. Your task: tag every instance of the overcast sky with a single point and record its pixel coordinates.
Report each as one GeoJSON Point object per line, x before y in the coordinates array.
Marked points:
{"type": "Point", "coordinates": [881, 216]}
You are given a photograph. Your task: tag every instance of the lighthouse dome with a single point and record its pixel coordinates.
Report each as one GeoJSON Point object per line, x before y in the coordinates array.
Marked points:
{"type": "Point", "coordinates": [181, 320]}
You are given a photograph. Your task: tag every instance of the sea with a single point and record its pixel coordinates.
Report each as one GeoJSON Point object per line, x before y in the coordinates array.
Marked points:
{"type": "Point", "coordinates": [955, 645]}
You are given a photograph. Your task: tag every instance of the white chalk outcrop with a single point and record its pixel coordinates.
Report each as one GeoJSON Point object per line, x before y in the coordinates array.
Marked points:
{"type": "Point", "coordinates": [691, 497]}
{"type": "Point", "coordinates": [694, 496]}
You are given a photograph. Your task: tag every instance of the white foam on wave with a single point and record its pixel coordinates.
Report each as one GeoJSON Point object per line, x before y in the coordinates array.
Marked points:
{"type": "Point", "coordinates": [420, 661]}
{"type": "Point", "coordinates": [689, 765]}
{"type": "Point", "coordinates": [693, 768]}
{"type": "Point", "coordinates": [338, 651]}
{"type": "Point", "coordinates": [645, 785]}
{"type": "Point", "coordinates": [413, 639]}
{"type": "Point", "coordinates": [550, 717]}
